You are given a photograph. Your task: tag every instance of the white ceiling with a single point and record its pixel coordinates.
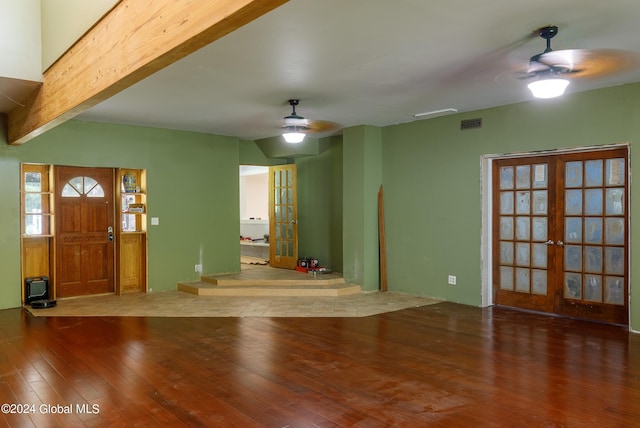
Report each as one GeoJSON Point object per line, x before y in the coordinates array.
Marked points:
{"type": "Point", "coordinates": [375, 62]}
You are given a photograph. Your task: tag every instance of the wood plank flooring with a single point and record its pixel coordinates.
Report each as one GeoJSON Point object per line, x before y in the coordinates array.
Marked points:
{"type": "Point", "coordinates": [441, 365]}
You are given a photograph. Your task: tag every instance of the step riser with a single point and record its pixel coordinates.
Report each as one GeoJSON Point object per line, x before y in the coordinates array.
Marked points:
{"type": "Point", "coordinates": [267, 291]}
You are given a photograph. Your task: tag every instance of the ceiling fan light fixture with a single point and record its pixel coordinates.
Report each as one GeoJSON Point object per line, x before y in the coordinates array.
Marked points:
{"type": "Point", "coordinates": [293, 136]}
{"type": "Point", "coordinates": [548, 88]}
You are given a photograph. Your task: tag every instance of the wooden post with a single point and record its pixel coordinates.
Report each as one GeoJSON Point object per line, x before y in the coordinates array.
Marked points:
{"type": "Point", "coordinates": [382, 243]}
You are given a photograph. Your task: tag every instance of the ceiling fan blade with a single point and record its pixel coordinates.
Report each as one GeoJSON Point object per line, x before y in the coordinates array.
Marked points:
{"type": "Point", "coordinates": [322, 126]}
{"type": "Point", "coordinates": [590, 63]}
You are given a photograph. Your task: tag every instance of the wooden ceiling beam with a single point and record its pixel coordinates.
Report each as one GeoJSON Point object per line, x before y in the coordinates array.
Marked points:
{"type": "Point", "coordinates": [134, 40]}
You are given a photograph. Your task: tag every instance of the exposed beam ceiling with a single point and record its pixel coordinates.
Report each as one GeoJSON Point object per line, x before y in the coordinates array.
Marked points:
{"type": "Point", "coordinates": [135, 40]}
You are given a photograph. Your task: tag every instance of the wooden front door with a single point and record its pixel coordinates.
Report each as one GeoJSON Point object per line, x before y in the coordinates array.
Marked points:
{"type": "Point", "coordinates": [283, 217]}
{"type": "Point", "coordinates": [560, 234]}
{"type": "Point", "coordinates": [84, 231]}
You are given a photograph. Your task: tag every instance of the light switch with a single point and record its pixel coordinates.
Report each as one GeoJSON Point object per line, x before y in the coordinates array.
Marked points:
{"type": "Point", "coordinates": [155, 221]}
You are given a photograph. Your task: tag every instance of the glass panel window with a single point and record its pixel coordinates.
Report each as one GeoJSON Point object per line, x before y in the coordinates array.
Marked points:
{"type": "Point", "coordinates": [593, 173]}
{"type": "Point", "coordinates": [33, 203]}
{"type": "Point", "coordinates": [539, 282]}
{"type": "Point", "coordinates": [522, 280]}
{"type": "Point", "coordinates": [78, 186]}
{"type": "Point", "coordinates": [69, 191]}
{"type": "Point", "coordinates": [523, 256]}
{"type": "Point", "coordinates": [573, 174]}
{"type": "Point", "coordinates": [615, 172]}
{"type": "Point", "coordinates": [614, 260]}
{"type": "Point", "coordinates": [506, 253]}
{"type": "Point", "coordinates": [32, 182]}
{"type": "Point", "coordinates": [523, 203]}
{"type": "Point", "coordinates": [506, 278]}
{"type": "Point", "coordinates": [593, 288]}
{"type": "Point", "coordinates": [523, 228]}
{"type": "Point", "coordinates": [573, 257]}
{"type": "Point", "coordinates": [540, 202]}
{"type": "Point", "coordinates": [540, 228]}
{"type": "Point", "coordinates": [523, 177]}
{"type": "Point", "coordinates": [593, 230]}
{"type": "Point", "coordinates": [573, 229]}
{"type": "Point", "coordinates": [615, 201]}
{"type": "Point", "coordinates": [573, 286]}
{"type": "Point", "coordinates": [539, 255]}
{"type": "Point", "coordinates": [540, 175]}
{"type": "Point", "coordinates": [615, 231]}
{"type": "Point", "coordinates": [506, 177]}
{"type": "Point", "coordinates": [593, 259]}
{"type": "Point", "coordinates": [593, 202]}
{"type": "Point", "coordinates": [506, 227]}
{"type": "Point", "coordinates": [506, 203]}
{"type": "Point", "coordinates": [614, 290]}
{"type": "Point", "coordinates": [573, 202]}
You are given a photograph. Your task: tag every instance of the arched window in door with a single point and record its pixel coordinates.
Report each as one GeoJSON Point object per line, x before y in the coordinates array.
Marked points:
{"type": "Point", "coordinates": [78, 186]}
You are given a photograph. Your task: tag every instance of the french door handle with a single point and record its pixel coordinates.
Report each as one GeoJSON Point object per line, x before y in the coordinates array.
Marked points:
{"type": "Point", "coordinates": [549, 242]}
{"type": "Point", "coordinates": [294, 221]}
{"type": "Point", "coordinates": [560, 244]}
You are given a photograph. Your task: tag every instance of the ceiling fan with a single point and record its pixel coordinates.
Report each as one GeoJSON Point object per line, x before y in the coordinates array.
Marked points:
{"type": "Point", "coordinates": [548, 71]}
{"type": "Point", "coordinates": [296, 127]}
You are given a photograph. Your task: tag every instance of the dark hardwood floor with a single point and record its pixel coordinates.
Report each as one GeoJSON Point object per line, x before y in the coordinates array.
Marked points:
{"type": "Point", "coordinates": [440, 365]}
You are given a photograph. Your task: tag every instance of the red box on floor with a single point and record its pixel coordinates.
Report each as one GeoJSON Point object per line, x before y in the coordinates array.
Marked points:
{"type": "Point", "coordinates": [302, 269]}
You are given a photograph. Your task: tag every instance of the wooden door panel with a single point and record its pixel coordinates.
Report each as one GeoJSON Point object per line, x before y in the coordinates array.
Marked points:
{"type": "Point", "coordinates": [69, 221]}
{"type": "Point", "coordinates": [84, 201]}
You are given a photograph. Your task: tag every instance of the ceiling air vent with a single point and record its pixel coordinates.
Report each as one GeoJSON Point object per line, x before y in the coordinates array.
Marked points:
{"type": "Point", "coordinates": [471, 124]}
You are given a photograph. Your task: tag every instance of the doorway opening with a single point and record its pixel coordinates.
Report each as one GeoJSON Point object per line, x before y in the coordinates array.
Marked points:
{"type": "Point", "coordinates": [254, 215]}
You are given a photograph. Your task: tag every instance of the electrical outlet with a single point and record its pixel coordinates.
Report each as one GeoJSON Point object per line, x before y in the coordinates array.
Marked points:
{"type": "Point", "coordinates": [199, 268]}
{"type": "Point", "coordinates": [452, 280]}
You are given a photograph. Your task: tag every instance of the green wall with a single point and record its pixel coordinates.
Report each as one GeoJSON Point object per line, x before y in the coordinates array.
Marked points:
{"type": "Point", "coordinates": [430, 169]}
{"type": "Point", "coordinates": [192, 188]}
{"type": "Point", "coordinates": [362, 177]}
{"type": "Point", "coordinates": [432, 181]}
{"type": "Point", "coordinates": [320, 204]}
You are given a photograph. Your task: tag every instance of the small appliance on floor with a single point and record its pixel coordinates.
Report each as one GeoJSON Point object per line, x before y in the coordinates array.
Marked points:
{"type": "Point", "coordinates": [36, 293]}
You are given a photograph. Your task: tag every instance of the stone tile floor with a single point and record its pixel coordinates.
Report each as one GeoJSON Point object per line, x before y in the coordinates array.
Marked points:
{"type": "Point", "coordinates": [179, 304]}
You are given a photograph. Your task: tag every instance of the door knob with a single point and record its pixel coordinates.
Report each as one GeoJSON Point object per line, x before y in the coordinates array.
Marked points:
{"type": "Point", "coordinates": [560, 244]}
{"type": "Point", "coordinates": [549, 242]}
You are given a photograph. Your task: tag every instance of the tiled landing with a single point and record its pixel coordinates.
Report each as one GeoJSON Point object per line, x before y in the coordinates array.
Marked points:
{"type": "Point", "coordinates": [267, 281]}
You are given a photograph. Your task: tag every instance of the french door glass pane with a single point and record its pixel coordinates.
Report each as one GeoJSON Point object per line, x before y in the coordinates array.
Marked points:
{"type": "Point", "coordinates": [615, 172]}
{"type": "Point", "coordinates": [615, 201]}
{"type": "Point", "coordinates": [593, 173]}
{"type": "Point", "coordinates": [614, 290]}
{"type": "Point", "coordinates": [614, 231]}
{"type": "Point", "coordinates": [523, 228]}
{"type": "Point", "coordinates": [506, 177]}
{"type": "Point", "coordinates": [593, 230]}
{"type": "Point", "coordinates": [572, 285]}
{"type": "Point", "coordinates": [573, 229]}
{"type": "Point", "coordinates": [506, 203]}
{"type": "Point", "coordinates": [573, 174]}
{"type": "Point", "coordinates": [523, 177]}
{"type": "Point", "coordinates": [506, 227]}
{"type": "Point", "coordinates": [593, 288]}
{"type": "Point", "coordinates": [593, 202]}
{"type": "Point", "coordinates": [523, 202]}
{"type": "Point", "coordinates": [573, 202]}
{"type": "Point", "coordinates": [540, 229]}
